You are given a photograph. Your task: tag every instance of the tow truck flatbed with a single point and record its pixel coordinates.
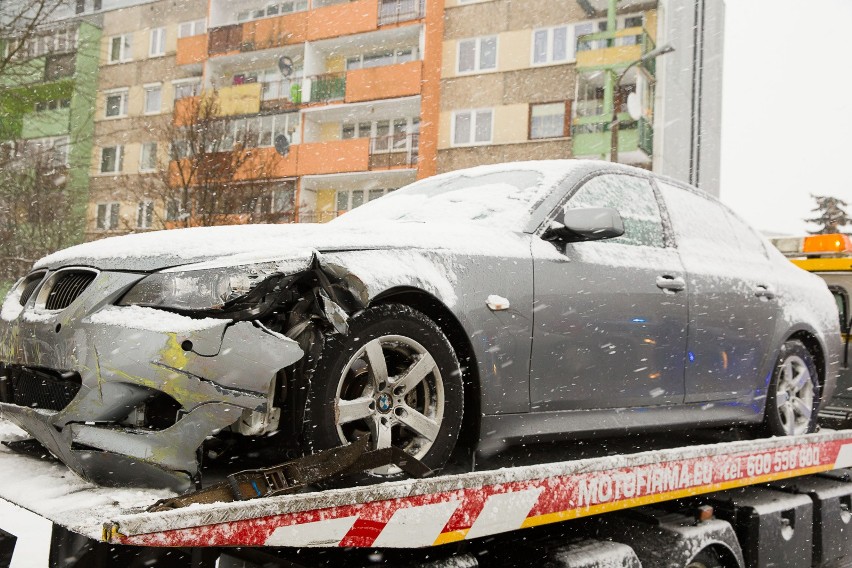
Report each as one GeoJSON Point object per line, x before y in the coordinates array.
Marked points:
{"type": "Point", "coordinates": [415, 513]}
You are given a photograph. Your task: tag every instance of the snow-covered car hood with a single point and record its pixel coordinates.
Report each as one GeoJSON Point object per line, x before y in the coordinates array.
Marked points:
{"type": "Point", "coordinates": [243, 244]}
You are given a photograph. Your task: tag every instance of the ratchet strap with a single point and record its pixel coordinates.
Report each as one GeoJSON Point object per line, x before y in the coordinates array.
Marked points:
{"type": "Point", "coordinates": [296, 475]}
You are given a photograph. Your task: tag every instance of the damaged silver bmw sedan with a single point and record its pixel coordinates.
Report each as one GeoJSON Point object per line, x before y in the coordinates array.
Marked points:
{"type": "Point", "coordinates": [525, 302]}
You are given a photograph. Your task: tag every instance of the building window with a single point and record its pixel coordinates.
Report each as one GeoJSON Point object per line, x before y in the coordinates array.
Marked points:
{"type": "Point", "coordinates": [472, 127]}
{"type": "Point", "coordinates": [108, 216]}
{"type": "Point", "coordinates": [42, 106]}
{"type": "Point", "coordinates": [350, 199]}
{"type": "Point", "coordinates": [80, 6]}
{"type": "Point", "coordinates": [157, 46]}
{"type": "Point", "coordinates": [116, 104]}
{"type": "Point", "coordinates": [186, 89]}
{"type": "Point", "coordinates": [193, 28]}
{"type": "Point", "coordinates": [262, 131]}
{"type": "Point", "coordinates": [551, 45]}
{"type": "Point", "coordinates": [145, 214]}
{"type": "Point", "coordinates": [112, 158]}
{"type": "Point", "coordinates": [477, 54]}
{"type": "Point", "coordinates": [119, 49]}
{"type": "Point", "coordinates": [381, 58]}
{"type": "Point", "coordinates": [549, 120]}
{"type": "Point", "coordinates": [148, 157]}
{"type": "Point", "coordinates": [153, 99]}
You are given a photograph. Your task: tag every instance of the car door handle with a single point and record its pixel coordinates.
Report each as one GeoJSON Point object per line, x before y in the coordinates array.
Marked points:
{"type": "Point", "coordinates": [764, 291]}
{"type": "Point", "coordinates": [671, 283]}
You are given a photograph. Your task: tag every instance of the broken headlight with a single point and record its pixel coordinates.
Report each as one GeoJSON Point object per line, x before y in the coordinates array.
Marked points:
{"type": "Point", "coordinates": [194, 290]}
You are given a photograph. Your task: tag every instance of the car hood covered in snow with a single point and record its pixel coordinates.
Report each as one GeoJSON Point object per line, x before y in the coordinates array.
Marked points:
{"type": "Point", "coordinates": [245, 244]}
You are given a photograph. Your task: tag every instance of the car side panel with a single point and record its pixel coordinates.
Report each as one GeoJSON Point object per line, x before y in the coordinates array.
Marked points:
{"type": "Point", "coordinates": [500, 339]}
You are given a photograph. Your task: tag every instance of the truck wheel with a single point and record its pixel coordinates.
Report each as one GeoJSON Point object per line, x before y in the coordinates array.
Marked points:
{"type": "Point", "coordinates": [794, 392]}
{"type": "Point", "coordinates": [707, 558]}
{"type": "Point", "coordinates": [394, 376]}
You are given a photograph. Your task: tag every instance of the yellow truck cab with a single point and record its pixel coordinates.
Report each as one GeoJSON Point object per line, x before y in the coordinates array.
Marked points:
{"type": "Point", "coordinates": [830, 257]}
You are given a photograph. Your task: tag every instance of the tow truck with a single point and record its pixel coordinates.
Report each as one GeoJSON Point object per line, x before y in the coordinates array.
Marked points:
{"type": "Point", "coordinates": [702, 499]}
{"type": "Point", "coordinates": [829, 256]}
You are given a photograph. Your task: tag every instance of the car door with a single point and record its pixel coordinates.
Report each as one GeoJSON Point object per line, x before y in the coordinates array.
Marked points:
{"type": "Point", "coordinates": [609, 324]}
{"type": "Point", "coordinates": [732, 307]}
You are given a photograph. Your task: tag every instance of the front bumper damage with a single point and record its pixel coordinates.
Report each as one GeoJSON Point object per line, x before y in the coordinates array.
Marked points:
{"type": "Point", "coordinates": [217, 371]}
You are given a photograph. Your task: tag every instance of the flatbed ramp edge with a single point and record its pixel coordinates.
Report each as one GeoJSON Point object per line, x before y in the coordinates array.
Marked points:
{"type": "Point", "coordinates": [426, 512]}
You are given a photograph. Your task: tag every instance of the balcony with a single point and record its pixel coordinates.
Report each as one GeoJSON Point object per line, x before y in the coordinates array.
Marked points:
{"type": "Point", "coordinates": [192, 49]}
{"type": "Point", "coordinates": [283, 95]}
{"type": "Point", "coordinates": [635, 140]}
{"type": "Point", "coordinates": [326, 87]}
{"type": "Point", "coordinates": [46, 123]}
{"type": "Point", "coordinates": [240, 99]}
{"type": "Point", "coordinates": [338, 156]}
{"type": "Point", "coordinates": [398, 11]}
{"type": "Point", "coordinates": [394, 152]}
{"type": "Point", "coordinates": [336, 20]}
{"type": "Point", "coordinates": [609, 50]}
{"type": "Point", "coordinates": [388, 82]}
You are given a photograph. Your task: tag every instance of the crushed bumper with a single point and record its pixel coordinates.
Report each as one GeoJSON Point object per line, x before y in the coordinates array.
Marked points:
{"type": "Point", "coordinates": [215, 370]}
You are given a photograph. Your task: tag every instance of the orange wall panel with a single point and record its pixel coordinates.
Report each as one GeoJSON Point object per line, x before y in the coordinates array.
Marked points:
{"type": "Point", "coordinates": [267, 163]}
{"type": "Point", "coordinates": [387, 82]}
{"type": "Point", "coordinates": [185, 110]}
{"type": "Point", "coordinates": [191, 49]}
{"type": "Point", "coordinates": [275, 32]}
{"type": "Point", "coordinates": [343, 19]}
{"type": "Point", "coordinates": [339, 156]}
{"type": "Point", "coordinates": [430, 106]}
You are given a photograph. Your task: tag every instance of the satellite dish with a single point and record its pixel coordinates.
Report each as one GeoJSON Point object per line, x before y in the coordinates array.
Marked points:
{"type": "Point", "coordinates": [282, 144]}
{"type": "Point", "coordinates": [634, 106]}
{"type": "Point", "coordinates": [285, 65]}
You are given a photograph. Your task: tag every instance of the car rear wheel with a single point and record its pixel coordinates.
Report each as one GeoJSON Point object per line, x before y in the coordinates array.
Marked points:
{"type": "Point", "coordinates": [794, 392]}
{"type": "Point", "coordinates": [395, 377]}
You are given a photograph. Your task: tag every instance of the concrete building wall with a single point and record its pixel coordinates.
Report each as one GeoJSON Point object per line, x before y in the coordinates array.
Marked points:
{"type": "Point", "coordinates": [688, 121]}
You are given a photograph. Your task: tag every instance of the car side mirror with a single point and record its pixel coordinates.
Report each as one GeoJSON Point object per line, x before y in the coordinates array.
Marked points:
{"type": "Point", "coordinates": [585, 224]}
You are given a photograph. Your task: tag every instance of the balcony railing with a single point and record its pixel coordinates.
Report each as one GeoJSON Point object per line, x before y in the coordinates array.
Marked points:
{"type": "Point", "coordinates": [394, 151]}
{"type": "Point", "coordinates": [328, 87]}
{"type": "Point", "coordinates": [396, 11]}
{"type": "Point", "coordinates": [281, 95]}
{"type": "Point", "coordinates": [614, 48]}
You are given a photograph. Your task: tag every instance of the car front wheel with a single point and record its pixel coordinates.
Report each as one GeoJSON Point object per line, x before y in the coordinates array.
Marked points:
{"type": "Point", "coordinates": [794, 392]}
{"type": "Point", "coordinates": [395, 377]}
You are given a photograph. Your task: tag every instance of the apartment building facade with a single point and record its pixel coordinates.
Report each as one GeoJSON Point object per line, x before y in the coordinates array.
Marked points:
{"type": "Point", "coordinates": [340, 102]}
{"type": "Point", "coordinates": [138, 82]}
{"type": "Point", "coordinates": [45, 108]}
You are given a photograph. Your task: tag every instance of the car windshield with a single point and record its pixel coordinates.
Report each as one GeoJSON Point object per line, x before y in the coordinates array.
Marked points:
{"type": "Point", "coordinates": [501, 199]}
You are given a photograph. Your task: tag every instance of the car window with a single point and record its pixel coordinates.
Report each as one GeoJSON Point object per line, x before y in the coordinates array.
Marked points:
{"type": "Point", "coordinates": [634, 200]}
{"type": "Point", "coordinates": [700, 224]}
{"type": "Point", "coordinates": [842, 300]}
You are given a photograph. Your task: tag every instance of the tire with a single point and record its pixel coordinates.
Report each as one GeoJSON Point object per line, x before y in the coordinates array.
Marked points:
{"type": "Point", "coordinates": [423, 416]}
{"type": "Point", "coordinates": [794, 392]}
{"type": "Point", "coordinates": [707, 558]}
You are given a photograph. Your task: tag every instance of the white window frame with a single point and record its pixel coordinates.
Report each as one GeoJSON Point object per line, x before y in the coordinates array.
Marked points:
{"type": "Point", "coordinates": [570, 47]}
{"type": "Point", "coordinates": [107, 219]}
{"type": "Point", "coordinates": [122, 108]}
{"type": "Point", "coordinates": [151, 154]}
{"type": "Point", "coordinates": [565, 117]}
{"type": "Point", "coordinates": [157, 42]}
{"type": "Point", "coordinates": [365, 193]}
{"type": "Point", "coordinates": [477, 55]}
{"type": "Point", "coordinates": [148, 90]}
{"type": "Point", "coordinates": [177, 84]}
{"type": "Point", "coordinates": [125, 52]}
{"type": "Point", "coordinates": [145, 214]}
{"type": "Point", "coordinates": [119, 160]}
{"type": "Point", "coordinates": [474, 113]}
{"type": "Point", "coordinates": [192, 28]}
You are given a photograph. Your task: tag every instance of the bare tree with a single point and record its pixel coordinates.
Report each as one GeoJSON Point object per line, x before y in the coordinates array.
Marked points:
{"type": "Point", "coordinates": [21, 22]}
{"type": "Point", "coordinates": [217, 173]}
{"type": "Point", "coordinates": [35, 213]}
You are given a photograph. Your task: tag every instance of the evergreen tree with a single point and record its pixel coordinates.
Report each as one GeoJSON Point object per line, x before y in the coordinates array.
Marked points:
{"type": "Point", "coordinates": [831, 214]}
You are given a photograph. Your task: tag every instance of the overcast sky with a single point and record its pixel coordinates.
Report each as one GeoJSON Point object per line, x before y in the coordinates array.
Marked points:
{"type": "Point", "coordinates": [787, 109]}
